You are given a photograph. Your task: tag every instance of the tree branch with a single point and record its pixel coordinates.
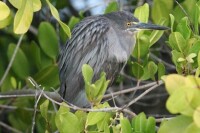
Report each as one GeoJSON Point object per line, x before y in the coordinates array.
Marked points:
{"type": "Point", "coordinates": [12, 60]}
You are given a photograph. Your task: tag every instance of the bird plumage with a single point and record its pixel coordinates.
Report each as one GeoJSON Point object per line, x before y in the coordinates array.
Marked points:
{"type": "Point", "coordinates": [100, 41]}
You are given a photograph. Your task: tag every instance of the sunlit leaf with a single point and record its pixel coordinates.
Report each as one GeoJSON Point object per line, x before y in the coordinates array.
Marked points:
{"type": "Point", "coordinates": [196, 116]}
{"type": "Point", "coordinates": [94, 117]}
{"type": "Point", "coordinates": [5, 11]}
{"type": "Point", "coordinates": [87, 72]}
{"type": "Point", "coordinates": [172, 19]}
{"type": "Point", "coordinates": [17, 4]}
{"type": "Point", "coordinates": [142, 13]}
{"type": "Point", "coordinates": [192, 128]}
{"type": "Point", "coordinates": [6, 21]}
{"type": "Point", "coordinates": [175, 125]}
{"type": "Point", "coordinates": [55, 13]}
{"type": "Point", "coordinates": [44, 109]}
{"type": "Point", "coordinates": [125, 125]}
{"type": "Point", "coordinates": [23, 17]}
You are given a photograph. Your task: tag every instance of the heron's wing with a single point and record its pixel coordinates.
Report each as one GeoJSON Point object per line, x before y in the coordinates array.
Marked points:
{"type": "Point", "coordinates": [88, 45]}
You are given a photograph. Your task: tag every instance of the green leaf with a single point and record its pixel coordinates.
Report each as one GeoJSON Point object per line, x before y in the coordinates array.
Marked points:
{"type": "Point", "coordinates": [82, 117]}
{"type": "Point", "coordinates": [156, 34]}
{"type": "Point", "coordinates": [177, 105]}
{"type": "Point", "coordinates": [173, 82]}
{"type": "Point", "coordinates": [172, 19]}
{"type": "Point", "coordinates": [195, 47]}
{"type": "Point", "coordinates": [66, 121]}
{"type": "Point", "coordinates": [23, 17]}
{"type": "Point", "coordinates": [48, 39]}
{"type": "Point", "coordinates": [73, 21]}
{"type": "Point", "coordinates": [87, 72]}
{"type": "Point", "coordinates": [6, 21]}
{"type": "Point", "coordinates": [161, 70]}
{"type": "Point", "coordinates": [198, 59]}
{"type": "Point", "coordinates": [112, 6]}
{"type": "Point", "coordinates": [183, 28]}
{"type": "Point", "coordinates": [196, 116]}
{"type": "Point", "coordinates": [137, 70]}
{"type": "Point", "coordinates": [192, 128]}
{"type": "Point", "coordinates": [177, 42]}
{"type": "Point", "coordinates": [48, 76]}
{"type": "Point", "coordinates": [13, 82]}
{"type": "Point", "coordinates": [150, 125]}
{"type": "Point", "coordinates": [55, 14]}
{"type": "Point", "coordinates": [196, 19]}
{"type": "Point", "coordinates": [20, 65]}
{"type": "Point", "coordinates": [94, 117]}
{"type": "Point", "coordinates": [175, 125]}
{"type": "Point", "coordinates": [175, 56]}
{"type": "Point", "coordinates": [142, 13]}
{"type": "Point", "coordinates": [17, 4]}
{"type": "Point", "coordinates": [44, 109]}
{"type": "Point", "coordinates": [190, 57]}
{"type": "Point", "coordinates": [125, 126]}
{"type": "Point", "coordinates": [152, 67]}
{"type": "Point", "coordinates": [161, 9]}
{"type": "Point", "coordinates": [141, 47]}
{"type": "Point", "coordinates": [139, 123]}
{"type": "Point", "coordinates": [5, 11]}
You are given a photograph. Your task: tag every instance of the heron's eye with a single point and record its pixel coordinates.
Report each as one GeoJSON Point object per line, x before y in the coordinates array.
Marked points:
{"type": "Point", "coordinates": [128, 24]}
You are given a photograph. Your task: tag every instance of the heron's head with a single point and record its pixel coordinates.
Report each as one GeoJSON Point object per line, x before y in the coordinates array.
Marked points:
{"type": "Point", "coordinates": [126, 21]}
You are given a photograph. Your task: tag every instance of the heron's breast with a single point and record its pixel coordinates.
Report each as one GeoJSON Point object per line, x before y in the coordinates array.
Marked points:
{"type": "Point", "coordinates": [120, 45]}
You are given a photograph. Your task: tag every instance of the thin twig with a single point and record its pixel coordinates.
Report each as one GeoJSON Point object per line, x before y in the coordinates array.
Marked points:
{"type": "Point", "coordinates": [25, 108]}
{"type": "Point", "coordinates": [158, 120]}
{"type": "Point", "coordinates": [143, 94]}
{"type": "Point", "coordinates": [162, 61]}
{"type": "Point", "coordinates": [12, 60]}
{"type": "Point", "coordinates": [185, 14]}
{"type": "Point", "coordinates": [35, 109]}
{"type": "Point", "coordinates": [9, 127]}
{"type": "Point", "coordinates": [131, 89]}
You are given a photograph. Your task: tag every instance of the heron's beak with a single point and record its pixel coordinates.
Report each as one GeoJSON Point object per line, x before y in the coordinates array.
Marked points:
{"type": "Point", "coordinates": [146, 26]}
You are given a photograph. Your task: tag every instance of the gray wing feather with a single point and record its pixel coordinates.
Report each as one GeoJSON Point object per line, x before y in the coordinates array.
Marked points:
{"type": "Point", "coordinates": [88, 45]}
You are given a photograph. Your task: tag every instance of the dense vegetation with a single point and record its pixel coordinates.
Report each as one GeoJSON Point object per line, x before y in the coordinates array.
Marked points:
{"type": "Point", "coordinates": [30, 34]}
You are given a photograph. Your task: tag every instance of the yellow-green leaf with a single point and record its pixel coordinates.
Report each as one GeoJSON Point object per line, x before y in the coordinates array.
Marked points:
{"type": "Point", "coordinates": [54, 12]}
{"type": "Point", "coordinates": [142, 13]}
{"type": "Point", "coordinates": [44, 109]}
{"type": "Point", "coordinates": [5, 22]}
{"type": "Point", "coordinates": [23, 17]}
{"type": "Point", "coordinates": [173, 82]}
{"type": "Point", "coordinates": [196, 116]}
{"type": "Point", "coordinates": [17, 4]}
{"type": "Point", "coordinates": [4, 11]}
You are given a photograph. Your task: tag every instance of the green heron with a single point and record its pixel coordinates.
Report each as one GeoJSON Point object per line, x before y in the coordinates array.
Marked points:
{"type": "Point", "coordinates": [105, 42]}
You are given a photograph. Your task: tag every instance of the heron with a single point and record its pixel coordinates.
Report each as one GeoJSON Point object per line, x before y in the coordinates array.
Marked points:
{"type": "Point", "coordinates": [105, 42]}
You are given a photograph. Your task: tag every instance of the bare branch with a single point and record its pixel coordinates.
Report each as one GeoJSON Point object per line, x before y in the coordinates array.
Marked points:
{"type": "Point", "coordinates": [12, 60]}
{"type": "Point", "coordinates": [9, 127]}
{"type": "Point", "coordinates": [35, 108]}
{"type": "Point", "coordinates": [131, 89]}
{"type": "Point", "coordinates": [143, 94]}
